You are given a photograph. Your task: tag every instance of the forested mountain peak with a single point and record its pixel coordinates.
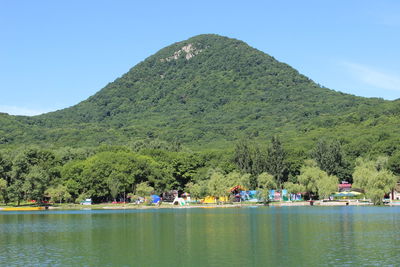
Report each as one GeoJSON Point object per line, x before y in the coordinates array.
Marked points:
{"type": "Point", "coordinates": [197, 76]}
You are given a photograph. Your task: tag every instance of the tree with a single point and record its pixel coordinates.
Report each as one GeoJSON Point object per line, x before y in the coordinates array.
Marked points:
{"type": "Point", "coordinates": [71, 174]}
{"type": "Point", "coordinates": [250, 158]}
{"type": "Point", "coordinates": [58, 194]}
{"type": "Point", "coordinates": [33, 171]}
{"type": "Point", "coordinates": [235, 178]}
{"type": "Point", "coordinates": [3, 189]}
{"type": "Point", "coordinates": [184, 167]}
{"type": "Point", "coordinates": [218, 186]}
{"type": "Point", "coordinates": [330, 158]}
{"type": "Point", "coordinates": [260, 163]}
{"type": "Point", "coordinates": [144, 189]}
{"type": "Point", "coordinates": [107, 174]}
{"type": "Point", "coordinates": [295, 159]}
{"type": "Point", "coordinates": [36, 182]}
{"type": "Point", "coordinates": [373, 178]}
{"type": "Point", "coordinates": [5, 171]}
{"type": "Point", "coordinates": [276, 161]}
{"type": "Point", "coordinates": [327, 185]}
{"type": "Point", "coordinates": [196, 190]}
{"type": "Point", "coordinates": [394, 163]}
{"type": "Point", "coordinates": [294, 188]}
{"type": "Point", "coordinates": [115, 183]}
{"type": "Point", "coordinates": [317, 181]}
{"type": "Point", "coordinates": [243, 156]}
{"type": "Point", "coordinates": [265, 183]}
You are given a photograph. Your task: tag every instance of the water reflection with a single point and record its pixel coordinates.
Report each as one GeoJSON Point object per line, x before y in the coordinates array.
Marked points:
{"type": "Point", "coordinates": [203, 237]}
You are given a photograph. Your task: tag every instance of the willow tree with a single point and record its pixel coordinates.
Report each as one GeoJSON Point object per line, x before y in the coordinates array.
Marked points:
{"type": "Point", "coordinates": [317, 181]}
{"type": "Point", "coordinates": [294, 188]}
{"type": "Point", "coordinates": [196, 190]}
{"type": "Point", "coordinates": [374, 178]}
{"type": "Point", "coordinates": [144, 189]}
{"type": "Point", "coordinates": [218, 185]}
{"type": "Point", "coordinates": [265, 182]}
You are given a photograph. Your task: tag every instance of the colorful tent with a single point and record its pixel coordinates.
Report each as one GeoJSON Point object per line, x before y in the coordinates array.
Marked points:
{"type": "Point", "coordinates": [214, 200]}
{"type": "Point", "coordinates": [155, 199]}
{"type": "Point", "coordinates": [250, 196]}
{"type": "Point", "coordinates": [347, 194]}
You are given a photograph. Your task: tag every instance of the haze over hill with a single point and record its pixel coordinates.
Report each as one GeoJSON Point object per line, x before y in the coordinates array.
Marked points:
{"type": "Point", "coordinates": [208, 91]}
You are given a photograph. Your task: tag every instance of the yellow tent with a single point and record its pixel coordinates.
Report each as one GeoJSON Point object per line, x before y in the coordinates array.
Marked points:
{"type": "Point", "coordinates": [213, 200]}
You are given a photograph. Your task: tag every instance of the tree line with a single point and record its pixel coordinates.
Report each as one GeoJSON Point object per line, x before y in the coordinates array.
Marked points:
{"type": "Point", "coordinates": [109, 173]}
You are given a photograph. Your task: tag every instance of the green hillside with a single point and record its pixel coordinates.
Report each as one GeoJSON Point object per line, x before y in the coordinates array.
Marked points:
{"type": "Point", "coordinates": [209, 91]}
{"type": "Point", "coordinates": [202, 115]}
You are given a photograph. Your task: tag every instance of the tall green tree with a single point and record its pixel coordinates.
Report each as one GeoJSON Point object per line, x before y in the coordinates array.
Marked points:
{"type": "Point", "coordinates": [3, 190]}
{"type": "Point", "coordinates": [116, 182]}
{"type": "Point", "coordinates": [330, 158]}
{"type": "Point", "coordinates": [5, 172]}
{"type": "Point", "coordinates": [184, 168]}
{"type": "Point", "coordinates": [276, 161]}
{"type": "Point", "coordinates": [394, 163]}
{"type": "Point", "coordinates": [243, 156]}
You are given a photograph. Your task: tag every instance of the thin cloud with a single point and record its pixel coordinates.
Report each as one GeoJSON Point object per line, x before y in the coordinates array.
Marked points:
{"type": "Point", "coordinates": [14, 110]}
{"type": "Point", "coordinates": [373, 77]}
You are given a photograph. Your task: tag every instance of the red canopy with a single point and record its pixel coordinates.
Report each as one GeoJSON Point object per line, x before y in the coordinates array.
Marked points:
{"type": "Point", "coordinates": [344, 186]}
{"type": "Point", "coordinates": [237, 188]}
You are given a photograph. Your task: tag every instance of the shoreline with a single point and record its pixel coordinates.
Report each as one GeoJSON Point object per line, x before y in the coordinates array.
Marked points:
{"type": "Point", "coordinates": [230, 205]}
{"type": "Point", "coordinates": [129, 206]}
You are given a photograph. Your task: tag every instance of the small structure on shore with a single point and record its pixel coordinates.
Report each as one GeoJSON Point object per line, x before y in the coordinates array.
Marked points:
{"type": "Point", "coordinates": [346, 191]}
{"type": "Point", "coordinates": [395, 194]}
{"type": "Point", "coordinates": [179, 201]}
{"type": "Point", "coordinates": [249, 196]}
{"type": "Point", "coordinates": [87, 201]}
{"type": "Point", "coordinates": [170, 196]}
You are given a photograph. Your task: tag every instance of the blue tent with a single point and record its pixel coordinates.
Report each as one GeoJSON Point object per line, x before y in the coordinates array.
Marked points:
{"type": "Point", "coordinates": [271, 194]}
{"type": "Point", "coordinates": [249, 195]}
{"type": "Point", "coordinates": [155, 198]}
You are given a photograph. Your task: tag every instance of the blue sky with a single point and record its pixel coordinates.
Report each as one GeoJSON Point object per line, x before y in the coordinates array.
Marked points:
{"type": "Point", "coordinates": [54, 54]}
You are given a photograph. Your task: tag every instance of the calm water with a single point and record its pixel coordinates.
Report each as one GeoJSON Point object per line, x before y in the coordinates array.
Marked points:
{"type": "Point", "coordinates": [264, 236]}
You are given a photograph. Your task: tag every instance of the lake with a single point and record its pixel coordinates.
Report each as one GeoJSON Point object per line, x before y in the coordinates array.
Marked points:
{"type": "Point", "coordinates": [262, 236]}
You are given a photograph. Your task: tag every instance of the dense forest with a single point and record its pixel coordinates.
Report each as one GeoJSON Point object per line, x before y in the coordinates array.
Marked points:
{"type": "Point", "coordinates": [209, 108]}
{"type": "Point", "coordinates": [108, 173]}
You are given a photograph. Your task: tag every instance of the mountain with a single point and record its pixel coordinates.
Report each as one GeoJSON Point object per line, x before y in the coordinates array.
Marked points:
{"type": "Point", "coordinates": [208, 91]}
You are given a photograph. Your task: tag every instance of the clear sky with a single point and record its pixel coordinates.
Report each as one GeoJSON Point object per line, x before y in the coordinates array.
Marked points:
{"type": "Point", "coordinates": [54, 54]}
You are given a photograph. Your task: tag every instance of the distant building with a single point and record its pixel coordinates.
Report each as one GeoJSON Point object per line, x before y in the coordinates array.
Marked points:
{"type": "Point", "coordinates": [344, 187]}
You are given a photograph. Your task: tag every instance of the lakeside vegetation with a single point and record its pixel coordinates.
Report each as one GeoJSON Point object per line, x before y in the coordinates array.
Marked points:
{"type": "Point", "coordinates": [110, 173]}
